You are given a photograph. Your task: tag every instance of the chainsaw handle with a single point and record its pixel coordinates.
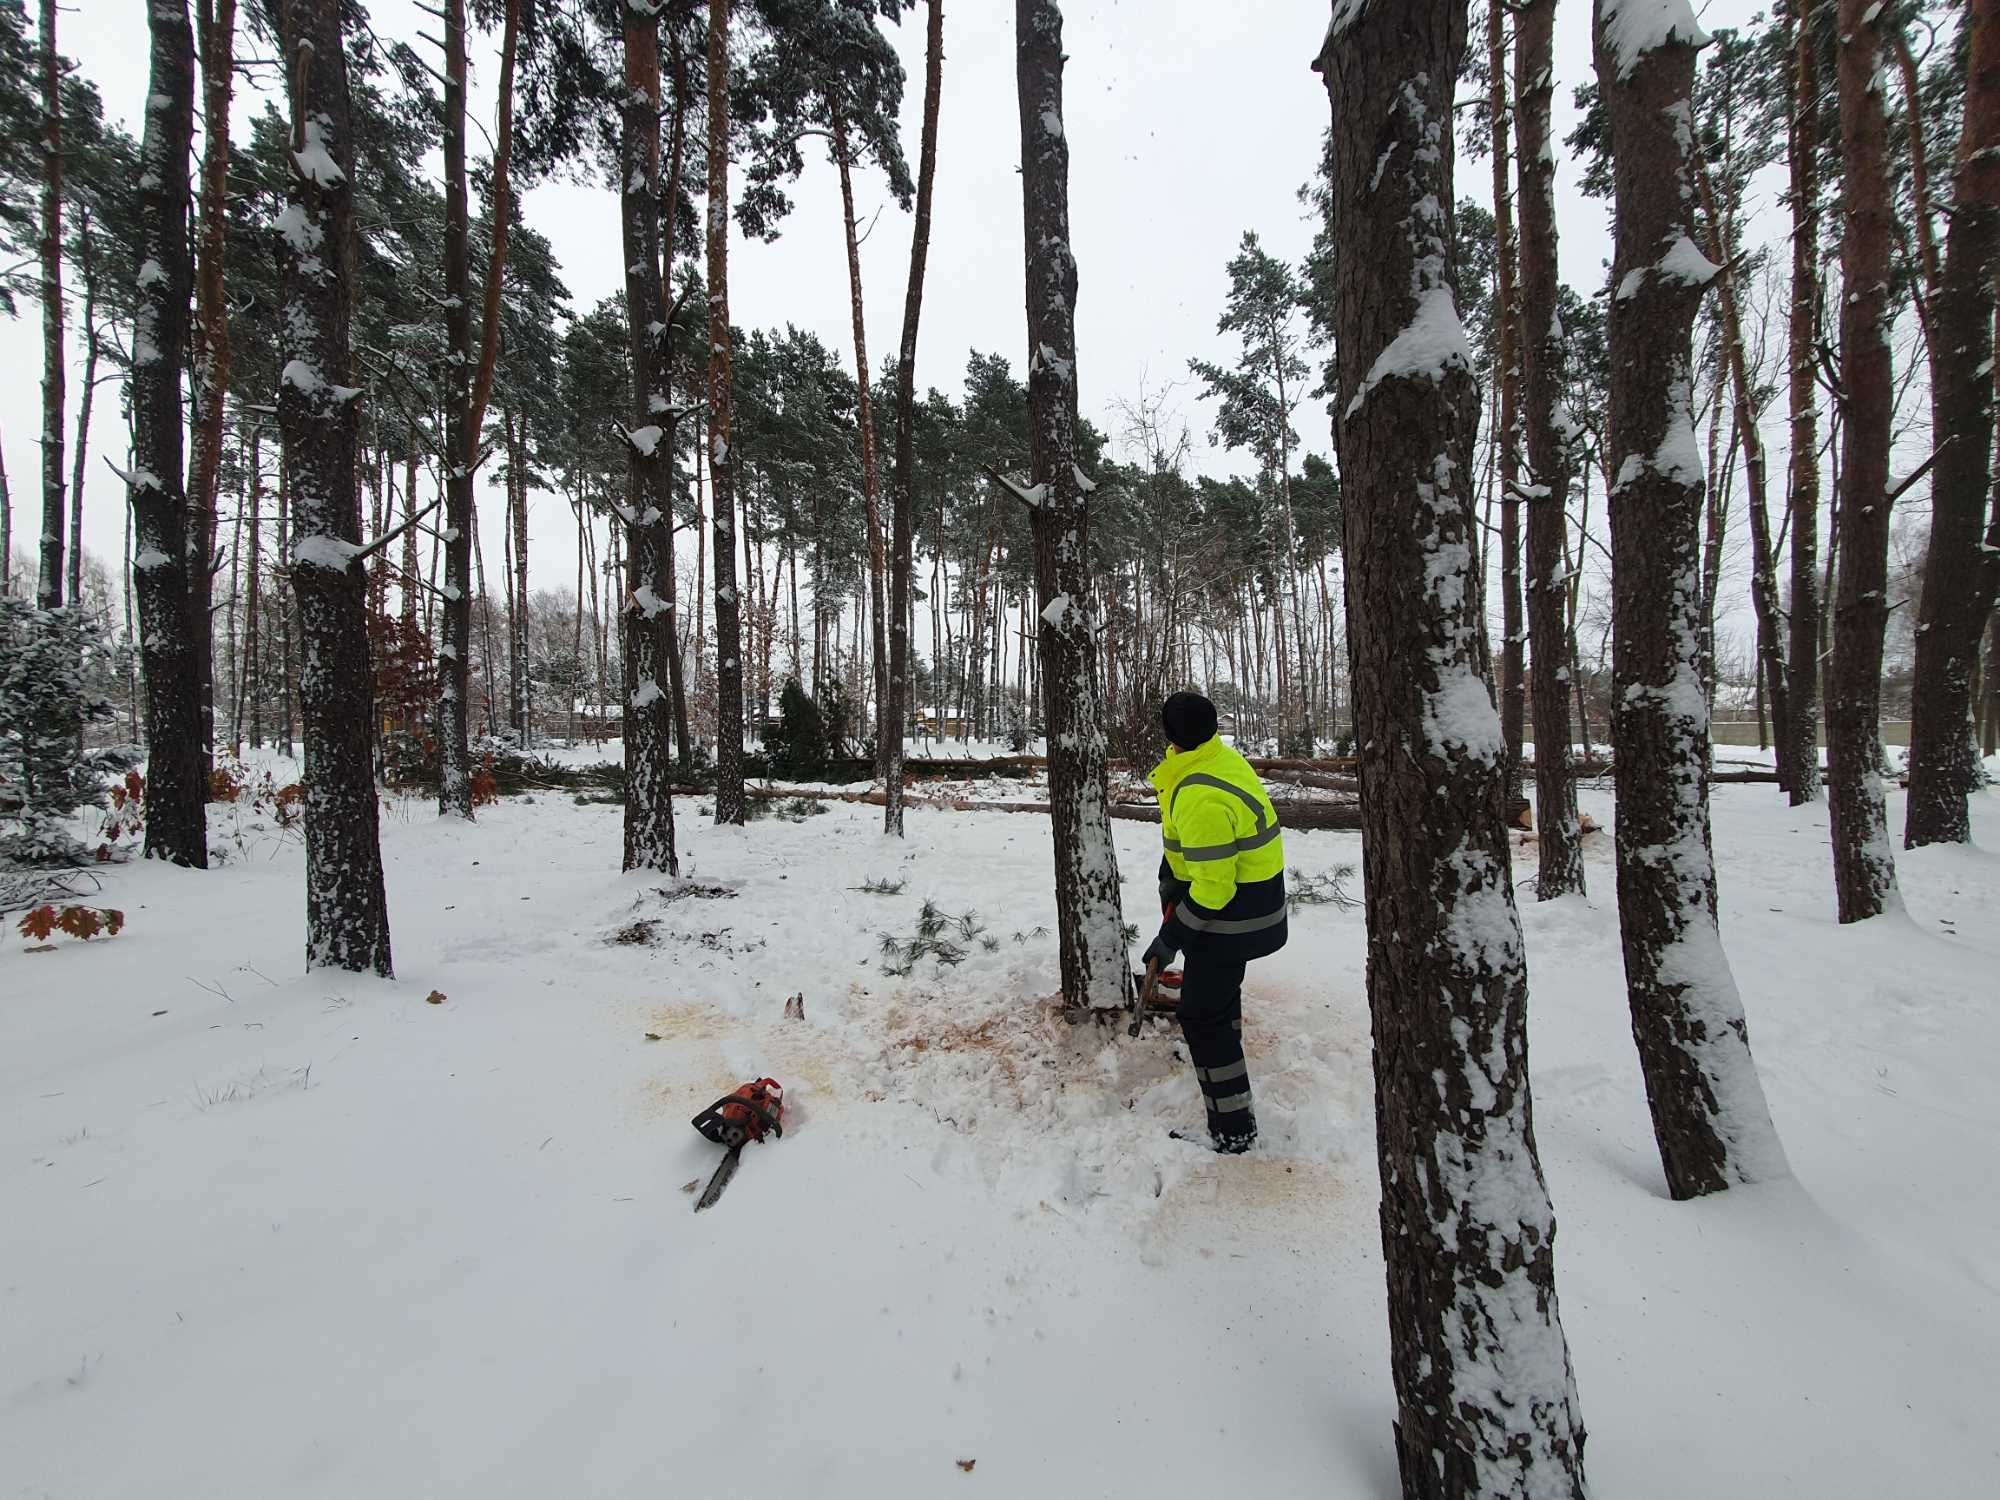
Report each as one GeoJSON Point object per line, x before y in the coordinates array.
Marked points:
{"type": "Point", "coordinates": [1146, 992]}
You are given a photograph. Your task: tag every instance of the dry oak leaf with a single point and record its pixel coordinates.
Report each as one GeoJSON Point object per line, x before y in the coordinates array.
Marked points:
{"type": "Point", "coordinates": [435, 997]}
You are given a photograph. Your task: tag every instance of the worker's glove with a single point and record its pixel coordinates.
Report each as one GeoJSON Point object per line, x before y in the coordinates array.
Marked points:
{"type": "Point", "coordinates": [1160, 951]}
{"type": "Point", "coordinates": [1171, 890]}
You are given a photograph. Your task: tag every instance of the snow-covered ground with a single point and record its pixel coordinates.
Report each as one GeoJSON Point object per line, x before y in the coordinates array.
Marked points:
{"type": "Point", "coordinates": [272, 1235]}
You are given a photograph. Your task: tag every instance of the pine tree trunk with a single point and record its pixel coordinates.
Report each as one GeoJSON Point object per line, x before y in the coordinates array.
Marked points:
{"type": "Point", "coordinates": [518, 519]}
{"type": "Point", "coordinates": [347, 916]}
{"type": "Point", "coordinates": [176, 783]}
{"type": "Point", "coordinates": [1089, 925]}
{"type": "Point", "coordinates": [729, 803]}
{"type": "Point", "coordinates": [1864, 867]}
{"type": "Point", "coordinates": [92, 347]}
{"type": "Point", "coordinates": [1799, 747]}
{"type": "Point", "coordinates": [870, 482]}
{"type": "Point", "coordinates": [460, 443]}
{"type": "Point", "coordinates": [1507, 436]}
{"type": "Point", "coordinates": [1773, 682]}
{"type": "Point", "coordinates": [7, 530]}
{"type": "Point", "coordinates": [216, 36]}
{"type": "Point", "coordinates": [1485, 1403]}
{"type": "Point", "coordinates": [1560, 872]}
{"type": "Point", "coordinates": [896, 707]}
{"type": "Point", "coordinates": [1709, 1115]}
{"type": "Point", "coordinates": [1959, 578]}
{"type": "Point", "coordinates": [253, 630]}
{"type": "Point", "coordinates": [53, 370]}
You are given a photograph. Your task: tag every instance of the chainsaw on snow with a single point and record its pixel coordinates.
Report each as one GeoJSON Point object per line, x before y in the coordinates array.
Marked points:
{"type": "Point", "coordinates": [753, 1111]}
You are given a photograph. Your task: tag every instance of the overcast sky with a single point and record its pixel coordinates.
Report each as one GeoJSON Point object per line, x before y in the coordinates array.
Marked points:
{"type": "Point", "coordinates": [1189, 121]}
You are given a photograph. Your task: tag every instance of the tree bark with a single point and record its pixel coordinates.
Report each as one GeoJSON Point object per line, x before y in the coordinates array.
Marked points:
{"type": "Point", "coordinates": [216, 40]}
{"type": "Point", "coordinates": [1089, 924]}
{"type": "Point", "coordinates": [176, 783]}
{"type": "Point", "coordinates": [461, 443]}
{"type": "Point", "coordinates": [1959, 578]}
{"type": "Point", "coordinates": [648, 508]}
{"type": "Point", "coordinates": [896, 708]}
{"type": "Point", "coordinates": [1709, 1115]}
{"type": "Point", "coordinates": [1558, 833]}
{"type": "Point", "coordinates": [729, 803]}
{"type": "Point", "coordinates": [1799, 748]}
{"type": "Point", "coordinates": [80, 452]}
{"type": "Point", "coordinates": [53, 371]}
{"type": "Point", "coordinates": [347, 916]}
{"type": "Point", "coordinates": [1864, 867]}
{"type": "Point", "coordinates": [1507, 434]}
{"type": "Point", "coordinates": [1467, 1229]}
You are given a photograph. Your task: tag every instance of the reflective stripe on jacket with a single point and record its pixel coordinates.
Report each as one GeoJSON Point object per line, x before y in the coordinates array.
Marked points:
{"type": "Point", "coordinates": [1224, 865]}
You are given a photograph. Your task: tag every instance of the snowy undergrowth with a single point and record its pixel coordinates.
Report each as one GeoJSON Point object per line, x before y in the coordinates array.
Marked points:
{"type": "Point", "coordinates": [414, 1248]}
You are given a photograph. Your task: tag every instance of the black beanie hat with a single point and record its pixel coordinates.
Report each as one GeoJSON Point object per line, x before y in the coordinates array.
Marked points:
{"type": "Point", "coordinates": [1189, 719]}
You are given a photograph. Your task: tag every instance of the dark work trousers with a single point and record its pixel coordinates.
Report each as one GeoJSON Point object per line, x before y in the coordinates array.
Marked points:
{"type": "Point", "coordinates": [1211, 1017]}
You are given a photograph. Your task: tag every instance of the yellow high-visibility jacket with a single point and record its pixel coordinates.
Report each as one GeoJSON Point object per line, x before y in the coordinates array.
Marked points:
{"type": "Point", "coordinates": [1222, 874]}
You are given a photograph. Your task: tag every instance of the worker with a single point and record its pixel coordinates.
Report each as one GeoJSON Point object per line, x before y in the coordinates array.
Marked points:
{"type": "Point", "coordinates": [1222, 885]}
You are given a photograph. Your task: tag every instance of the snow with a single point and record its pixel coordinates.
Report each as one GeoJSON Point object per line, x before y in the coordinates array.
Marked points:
{"type": "Point", "coordinates": [301, 376]}
{"type": "Point", "coordinates": [151, 273]}
{"type": "Point", "coordinates": [150, 558]}
{"type": "Point", "coordinates": [1635, 27]}
{"type": "Point", "coordinates": [315, 162]}
{"type": "Point", "coordinates": [646, 440]}
{"type": "Point", "coordinates": [1433, 343]}
{"type": "Point", "coordinates": [417, 1249]}
{"type": "Point", "coordinates": [323, 551]}
{"type": "Point", "coordinates": [1685, 263]}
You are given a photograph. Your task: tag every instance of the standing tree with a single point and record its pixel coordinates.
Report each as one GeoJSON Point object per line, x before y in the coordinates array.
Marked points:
{"type": "Point", "coordinates": [1507, 379]}
{"type": "Point", "coordinates": [1959, 578]}
{"type": "Point", "coordinates": [170, 632]}
{"type": "Point", "coordinates": [896, 712]}
{"type": "Point", "coordinates": [1256, 402]}
{"type": "Point", "coordinates": [1485, 1402]}
{"type": "Point", "coordinates": [1560, 872]}
{"type": "Point", "coordinates": [1090, 925]}
{"type": "Point", "coordinates": [216, 38]}
{"type": "Point", "coordinates": [1708, 1108]}
{"type": "Point", "coordinates": [51, 592]}
{"type": "Point", "coordinates": [729, 799]}
{"type": "Point", "coordinates": [1864, 868]}
{"type": "Point", "coordinates": [461, 440]}
{"type": "Point", "coordinates": [347, 915]}
{"type": "Point", "coordinates": [1799, 749]}
{"type": "Point", "coordinates": [829, 71]}
{"type": "Point", "coordinates": [648, 507]}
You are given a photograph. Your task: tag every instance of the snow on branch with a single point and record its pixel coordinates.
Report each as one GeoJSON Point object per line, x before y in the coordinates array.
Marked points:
{"type": "Point", "coordinates": [1031, 496]}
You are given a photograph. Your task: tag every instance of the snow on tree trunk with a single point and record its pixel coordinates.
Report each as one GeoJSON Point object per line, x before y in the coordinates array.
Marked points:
{"type": "Point", "coordinates": [1096, 972]}
{"type": "Point", "coordinates": [1864, 866]}
{"type": "Point", "coordinates": [1800, 748]}
{"type": "Point", "coordinates": [460, 444]}
{"type": "Point", "coordinates": [50, 247]}
{"type": "Point", "coordinates": [1959, 577]}
{"type": "Point", "coordinates": [896, 712]}
{"type": "Point", "coordinates": [1709, 1115]}
{"type": "Point", "coordinates": [649, 449]}
{"type": "Point", "coordinates": [729, 803]}
{"type": "Point", "coordinates": [176, 784]}
{"type": "Point", "coordinates": [1560, 872]}
{"type": "Point", "coordinates": [347, 917]}
{"type": "Point", "coordinates": [1484, 1397]}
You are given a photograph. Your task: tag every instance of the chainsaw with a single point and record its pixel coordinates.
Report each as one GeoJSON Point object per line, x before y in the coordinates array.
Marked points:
{"type": "Point", "coordinates": [753, 1111]}
{"type": "Point", "coordinates": [1147, 997]}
